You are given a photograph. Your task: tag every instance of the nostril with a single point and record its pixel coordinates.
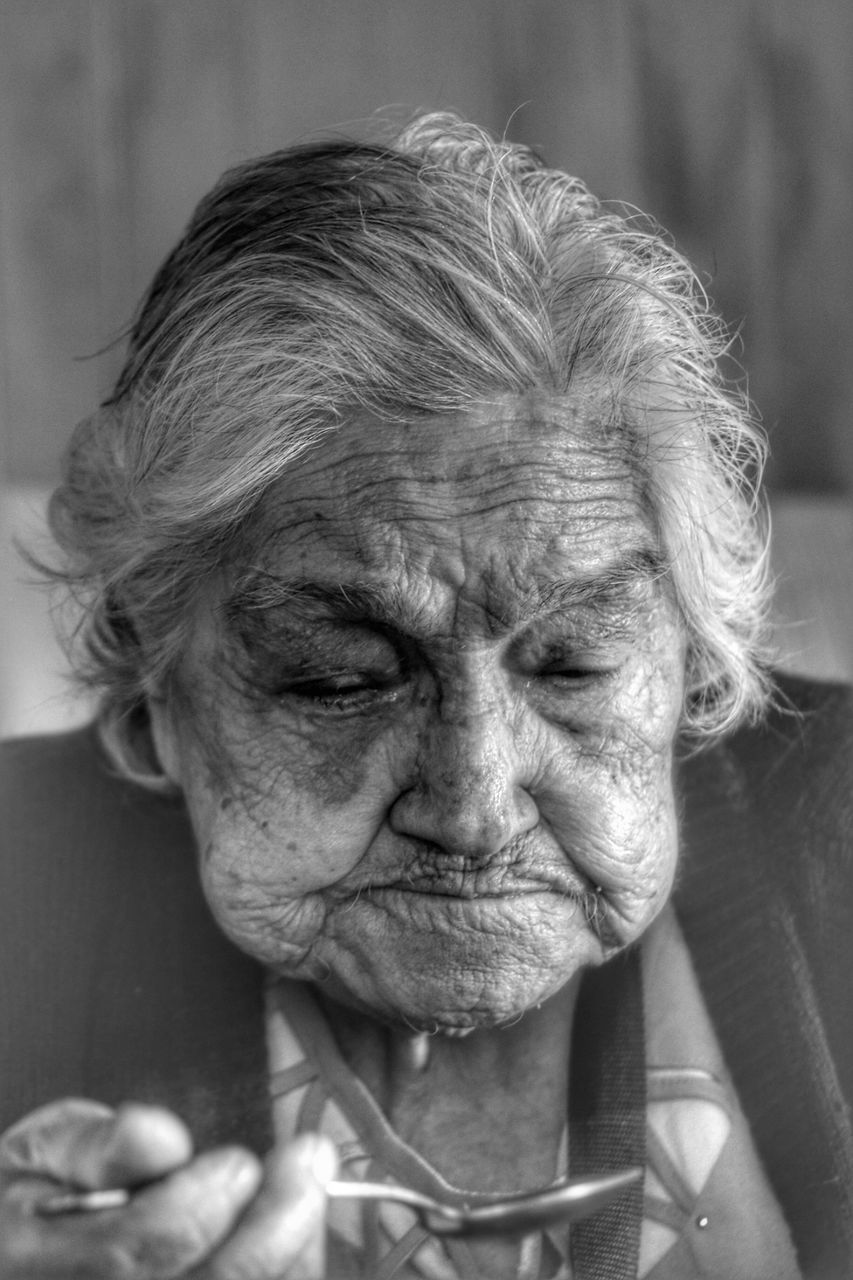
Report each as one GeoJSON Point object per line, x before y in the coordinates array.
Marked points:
{"type": "Point", "coordinates": [467, 791]}
{"type": "Point", "coordinates": [474, 824]}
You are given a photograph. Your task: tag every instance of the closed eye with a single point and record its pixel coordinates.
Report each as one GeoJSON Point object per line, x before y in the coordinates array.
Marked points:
{"type": "Point", "coordinates": [342, 690]}
{"type": "Point", "coordinates": [577, 673]}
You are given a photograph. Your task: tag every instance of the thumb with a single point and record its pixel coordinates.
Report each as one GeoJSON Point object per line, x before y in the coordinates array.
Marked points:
{"type": "Point", "coordinates": [90, 1146]}
{"type": "Point", "coordinates": [283, 1229]}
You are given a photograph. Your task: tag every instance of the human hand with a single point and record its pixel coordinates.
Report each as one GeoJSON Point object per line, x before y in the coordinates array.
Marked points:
{"type": "Point", "coordinates": [221, 1215]}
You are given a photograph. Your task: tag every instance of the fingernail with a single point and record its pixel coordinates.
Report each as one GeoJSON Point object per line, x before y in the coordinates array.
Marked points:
{"type": "Point", "coordinates": [324, 1162]}
{"type": "Point", "coordinates": [244, 1172]}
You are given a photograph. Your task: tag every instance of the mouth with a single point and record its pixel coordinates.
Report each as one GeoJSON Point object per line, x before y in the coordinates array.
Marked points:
{"type": "Point", "coordinates": [475, 887]}
{"type": "Point", "coordinates": [478, 891]}
{"type": "Point", "coordinates": [450, 877]}
{"type": "Point", "coordinates": [509, 881]}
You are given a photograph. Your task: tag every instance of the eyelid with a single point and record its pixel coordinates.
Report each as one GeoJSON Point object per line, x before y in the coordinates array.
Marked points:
{"type": "Point", "coordinates": [544, 653]}
{"type": "Point", "coordinates": [342, 679]}
{"type": "Point", "coordinates": [584, 664]}
{"type": "Point", "coordinates": [588, 626]}
{"type": "Point", "coordinates": [581, 675]}
{"type": "Point", "coordinates": [348, 690]}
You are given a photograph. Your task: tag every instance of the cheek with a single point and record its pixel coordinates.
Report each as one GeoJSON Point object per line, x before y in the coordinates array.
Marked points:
{"type": "Point", "coordinates": [608, 797]}
{"type": "Point", "coordinates": [614, 816]}
{"type": "Point", "coordinates": [273, 840]}
{"type": "Point", "coordinates": [281, 807]}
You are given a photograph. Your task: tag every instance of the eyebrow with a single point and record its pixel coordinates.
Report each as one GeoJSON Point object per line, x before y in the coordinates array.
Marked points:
{"type": "Point", "coordinates": [260, 591]}
{"type": "Point", "coordinates": [629, 577]}
{"type": "Point", "coordinates": [631, 574]}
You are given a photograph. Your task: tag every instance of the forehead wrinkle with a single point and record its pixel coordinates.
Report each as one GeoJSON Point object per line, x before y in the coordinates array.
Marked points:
{"type": "Point", "coordinates": [626, 579]}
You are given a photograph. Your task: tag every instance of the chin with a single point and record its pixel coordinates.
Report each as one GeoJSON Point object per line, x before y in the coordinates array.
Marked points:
{"type": "Point", "coordinates": [457, 966]}
{"type": "Point", "coordinates": [460, 1023]}
{"type": "Point", "coordinates": [431, 1003]}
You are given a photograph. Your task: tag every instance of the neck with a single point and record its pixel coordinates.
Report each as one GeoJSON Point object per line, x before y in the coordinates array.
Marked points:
{"type": "Point", "coordinates": [444, 1094]}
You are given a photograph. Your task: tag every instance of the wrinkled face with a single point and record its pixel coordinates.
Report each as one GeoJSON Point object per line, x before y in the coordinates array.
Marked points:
{"type": "Point", "coordinates": [425, 732]}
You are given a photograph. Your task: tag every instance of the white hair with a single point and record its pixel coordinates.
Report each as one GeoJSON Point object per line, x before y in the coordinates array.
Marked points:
{"type": "Point", "coordinates": [408, 279]}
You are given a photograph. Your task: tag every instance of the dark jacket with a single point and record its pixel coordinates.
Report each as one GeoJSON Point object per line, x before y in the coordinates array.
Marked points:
{"type": "Point", "coordinates": [115, 982]}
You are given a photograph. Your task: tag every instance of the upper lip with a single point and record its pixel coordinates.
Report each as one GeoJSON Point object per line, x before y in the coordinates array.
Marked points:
{"type": "Point", "coordinates": [533, 863]}
{"type": "Point", "coordinates": [462, 889]}
{"type": "Point", "coordinates": [459, 878]}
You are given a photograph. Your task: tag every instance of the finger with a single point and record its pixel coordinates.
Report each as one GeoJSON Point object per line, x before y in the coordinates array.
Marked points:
{"type": "Point", "coordinates": [145, 1143]}
{"type": "Point", "coordinates": [23, 1240]}
{"type": "Point", "coordinates": [174, 1224]}
{"type": "Point", "coordinates": [283, 1231]}
{"type": "Point", "coordinates": [167, 1228]}
{"type": "Point", "coordinates": [90, 1145]}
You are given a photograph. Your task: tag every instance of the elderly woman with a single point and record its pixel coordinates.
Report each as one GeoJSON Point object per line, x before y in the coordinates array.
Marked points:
{"type": "Point", "coordinates": [420, 551]}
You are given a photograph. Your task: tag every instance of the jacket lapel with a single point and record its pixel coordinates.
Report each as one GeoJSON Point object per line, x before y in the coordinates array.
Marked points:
{"type": "Point", "coordinates": [750, 838]}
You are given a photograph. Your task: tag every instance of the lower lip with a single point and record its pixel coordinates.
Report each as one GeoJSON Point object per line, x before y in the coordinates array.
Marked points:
{"type": "Point", "coordinates": [484, 882]}
{"type": "Point", "coordinates": [468, 895]}
{"type": "Point", "coordinates": [563, 907]}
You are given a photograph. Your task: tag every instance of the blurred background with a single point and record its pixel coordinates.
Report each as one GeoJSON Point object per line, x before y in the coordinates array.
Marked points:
{"type": "Point", "coordinates": [730, 121]}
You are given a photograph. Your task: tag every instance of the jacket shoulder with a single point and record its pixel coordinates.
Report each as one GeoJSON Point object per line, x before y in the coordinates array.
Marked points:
{"type": "Point", "coordinates": [113, 974]}
{"type": "Point", "coordinates": [770, 810]}
{"type": "Point", "coordinates": [788, 782]}
{"type": "Point", "coordinates": [50, 781]}
{"type": "Point", "coordinates": [765, 895]}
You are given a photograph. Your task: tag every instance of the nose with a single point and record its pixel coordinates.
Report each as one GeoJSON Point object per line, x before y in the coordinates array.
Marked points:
{"type": "Point", "coordinates": [469, 792]}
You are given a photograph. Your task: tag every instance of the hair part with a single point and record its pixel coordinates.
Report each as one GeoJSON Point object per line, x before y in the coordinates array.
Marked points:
{"type": "Point", "coordinates": [408, 279]}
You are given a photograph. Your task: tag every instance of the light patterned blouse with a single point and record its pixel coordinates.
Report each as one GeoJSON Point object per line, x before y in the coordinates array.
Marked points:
{"type": "Point", "coordinates": [709, 1213]}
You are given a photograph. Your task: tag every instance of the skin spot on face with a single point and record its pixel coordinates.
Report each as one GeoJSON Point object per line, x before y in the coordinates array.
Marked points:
{"type": "Point", "coordinates": [441, 687]}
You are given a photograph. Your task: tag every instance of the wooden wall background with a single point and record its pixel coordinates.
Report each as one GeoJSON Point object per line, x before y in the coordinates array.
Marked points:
{"type": "Point", "coordinates": [729, 120]}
